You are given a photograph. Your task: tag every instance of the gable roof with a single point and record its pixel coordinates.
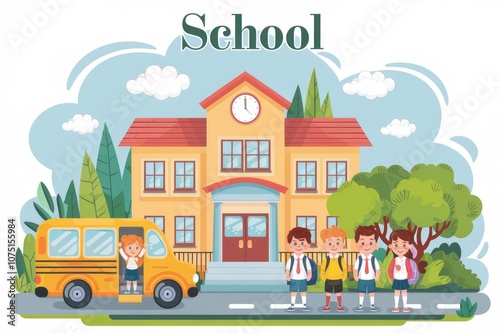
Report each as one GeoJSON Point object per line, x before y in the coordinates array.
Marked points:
{"type": "Point", "coordinates": [245, 77]}
{"type": "Point", "coordinates": [166, 132]}
{"type": "Point", "coordinates": [324, 132]}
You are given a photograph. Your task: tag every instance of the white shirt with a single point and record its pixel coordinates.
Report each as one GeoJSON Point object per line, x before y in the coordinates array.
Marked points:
{"type": "Point", "coordinates": [371, 273]}
{"type": "Point", "coordinates": [298, 262]}
{"type": "Point", "coordinates": [401, 273]}
{"type": "Point", "coordinates": [132, 262]}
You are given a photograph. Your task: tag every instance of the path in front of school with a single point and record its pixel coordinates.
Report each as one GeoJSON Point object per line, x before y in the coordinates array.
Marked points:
{"type": "Point", "coordinates": [262, 305]}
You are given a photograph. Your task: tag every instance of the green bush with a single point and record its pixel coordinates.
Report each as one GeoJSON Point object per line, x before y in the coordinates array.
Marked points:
{"type": "Point", "coordinates": [467, 309]}
{"type": "Point", "coordinates": [25, 263]}
{"type": "Point", "coordinates": [432, 277]}
{"type": "Point", "coordinates": [384, 281]}
{"type": "Point", "coordinates": [455, 269]}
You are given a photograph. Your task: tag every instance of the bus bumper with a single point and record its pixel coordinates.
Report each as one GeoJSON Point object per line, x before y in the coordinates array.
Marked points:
{"type": "Point", "coordinates": [41, 292]}
{"type": "Point", "coordinates": [193, 292]}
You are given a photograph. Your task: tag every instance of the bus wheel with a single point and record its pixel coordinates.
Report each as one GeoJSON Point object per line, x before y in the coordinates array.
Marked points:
{"type": "Point", "coordinates": [168, 294]}
{"type": "Point", "coordinates": [77, 294]}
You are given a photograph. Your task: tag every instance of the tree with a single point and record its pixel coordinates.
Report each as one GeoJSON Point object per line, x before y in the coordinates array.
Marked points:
{"type": "Point", "coordinates": [127, 185]}
{"type": "Point", "coordinates": [108, 170]}
{"type": "Point", "coordinates": [312, 100]}
{"type": "Point", "coordinates": [297, 107]}
{"type": "Point", "coordinates": [326, 108]}
{"type": "Point", "coordinates": [71, 202]}
{"type": "Point", "coordinates": [425, 201]}
{"type": "Point", "coordinates": [355, 205]}
{"type": "Point", "coordinates": [92, 201]}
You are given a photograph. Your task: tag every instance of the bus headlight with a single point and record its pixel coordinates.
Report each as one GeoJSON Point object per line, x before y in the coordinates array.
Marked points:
{"type": "Point", "coordinates": [196, 278]}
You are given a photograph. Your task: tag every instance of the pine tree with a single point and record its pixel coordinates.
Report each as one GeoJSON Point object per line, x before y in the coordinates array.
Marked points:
{"type": "Point", "coordinates": [313, 100]}
{"type": "Point", "coordinates": [297, 107]}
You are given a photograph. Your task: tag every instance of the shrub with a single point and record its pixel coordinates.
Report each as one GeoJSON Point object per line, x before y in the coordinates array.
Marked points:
{"type": "Point", "coordinates": [467, 309]}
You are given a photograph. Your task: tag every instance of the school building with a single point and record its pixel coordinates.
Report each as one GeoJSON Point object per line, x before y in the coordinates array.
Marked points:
{"type": "Point", "coordinates": [226, 189]}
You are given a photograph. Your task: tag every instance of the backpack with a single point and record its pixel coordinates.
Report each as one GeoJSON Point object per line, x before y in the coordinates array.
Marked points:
{"type": "Point", "coordinates": [360, 262]}
{"type": "Point", "coordinates": [314, 269]}
{"type": "Point", "coordinates": [339, 259]}
{"type": "Point", "coordinates": [414, 272]}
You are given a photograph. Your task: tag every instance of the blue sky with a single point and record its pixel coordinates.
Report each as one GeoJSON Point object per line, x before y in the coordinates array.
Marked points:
{"type": "Point", "coordinates": [104, 96]}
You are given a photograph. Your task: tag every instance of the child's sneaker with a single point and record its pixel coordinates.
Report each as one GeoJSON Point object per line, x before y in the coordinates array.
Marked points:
{"type": "Point", "coordinates": [406, 309]}
{"type": "Point", "coordinates": [395, 310]}
{"type": "Point", "coordinates": [326, 309]}
{"type": "Point", "coordinates": [341, 308]}
{"type": "Point", "coordinates": [359, 308]}
{"type": "Point", "coordinates": [291, 309]}
{"type": "Point", "coordinates": [306, 309]}
{"type": "Point", "coordinates": [373, 308]}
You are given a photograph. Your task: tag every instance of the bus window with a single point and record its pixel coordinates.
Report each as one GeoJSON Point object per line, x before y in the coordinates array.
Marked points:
{"type": "Point", "coordinates": [99, 243]}
{"type": "Point", "coordinates": [63, 242]}
{"type": "Point", "coordinates": [156, 247]}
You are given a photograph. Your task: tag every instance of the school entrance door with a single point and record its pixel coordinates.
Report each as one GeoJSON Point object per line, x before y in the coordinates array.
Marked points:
{"type": "Point", "coordinates": [245, 237]}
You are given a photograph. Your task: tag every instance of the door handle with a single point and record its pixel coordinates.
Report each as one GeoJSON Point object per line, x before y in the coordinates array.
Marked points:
{"type": "Point", "coordinates": [240, 244]}
{"type": "Point", "coordinates": [249, 244]}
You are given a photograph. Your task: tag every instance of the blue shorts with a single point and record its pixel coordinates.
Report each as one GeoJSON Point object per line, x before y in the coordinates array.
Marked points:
{"type": "Point", "coordinates": [400, 284]}
{"type": "Point", "coordinates": [298, 285]}
{"type": "Point", "coordinates": [366, 286]}
{"type": "Point", "coordinates": [131, 274]}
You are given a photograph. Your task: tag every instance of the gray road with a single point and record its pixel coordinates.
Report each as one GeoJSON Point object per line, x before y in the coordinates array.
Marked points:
{"type": "Point", "coordinates": [268, 305]}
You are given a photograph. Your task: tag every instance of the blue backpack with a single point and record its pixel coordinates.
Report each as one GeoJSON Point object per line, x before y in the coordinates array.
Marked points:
{"type": "Point", "coordinates": [360, 261]}
{"type": "Point", "coordinates": [314, 269]}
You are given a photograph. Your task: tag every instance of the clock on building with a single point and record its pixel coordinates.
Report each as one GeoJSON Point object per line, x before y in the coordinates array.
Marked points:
{"type": "Point", "coordinates": [245, 108]}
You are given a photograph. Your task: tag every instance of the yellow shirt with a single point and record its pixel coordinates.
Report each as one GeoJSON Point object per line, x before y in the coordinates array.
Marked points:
{"type": "Point", "coordinates": [333, 272]}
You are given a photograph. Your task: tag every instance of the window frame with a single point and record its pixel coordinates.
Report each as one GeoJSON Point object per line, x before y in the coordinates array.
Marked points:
{"type": "Point", "coordinates": [154, 190]}
{"type": "Point", "coordinates": [337, 221]}
{"type": "Point", "coordinates": [306, 190]}
{"type": "Point", "coordinates": [99, 256]}
{"type": "Point", "coordinates": [328, 189]}
{"type": "Point", "coordinates": [154, 221]}
{"type": "Point", "coordinates": [184, 189]}
{"type": "Point", "coordinates": [78, 240]}
{"type": "Point", "coordinates": [258, 155]}
{"type": "Point", "coordinates": [315, 243]}
{"type": "Point", "coordinates": [242, 155]}
{"type": "Point", "coordinates": [184, 244]}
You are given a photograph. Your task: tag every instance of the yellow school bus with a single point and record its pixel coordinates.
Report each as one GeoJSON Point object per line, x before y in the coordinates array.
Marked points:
{"type": "Point", "coordinates": [78, 258]}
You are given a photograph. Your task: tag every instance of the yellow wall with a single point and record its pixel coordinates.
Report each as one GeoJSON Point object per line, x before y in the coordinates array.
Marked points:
{"type": "Point", "coordinates": [221, 125]}
{"type": "Point", "coordinates": [169, 203]}
{"type": "Point", "coordinates": [313, 204]}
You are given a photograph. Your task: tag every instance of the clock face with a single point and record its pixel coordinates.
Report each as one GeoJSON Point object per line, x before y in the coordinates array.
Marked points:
{"type": "Point", "coordinates": [245, 108]}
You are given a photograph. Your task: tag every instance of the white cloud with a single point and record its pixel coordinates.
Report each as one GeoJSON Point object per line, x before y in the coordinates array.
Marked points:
{"type": "Point", "coordinates": [160, 83]}
{"type": "Point", "coordinates": [81, 124]}
{"type": "Point", "coordinates": [369, 85]}
{"type": "Point", "coordinates": [399, 128]}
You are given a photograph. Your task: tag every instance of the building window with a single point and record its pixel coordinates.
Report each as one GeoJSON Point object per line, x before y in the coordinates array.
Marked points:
{"type": "Point", "coordinates": [308, 222]}
{"type": "Point", "coordinates": [232, 155]}
{"type": "Point", "coordinates": [184, 231]}
{"type": "Point", "coordinates": [184, 176]}
{"type": "Point", "coordinates": [306, 176]}
{"type": "Point", "coordinates": [336, 174]}
{"type": "Point", "coordinates": [154, 176]}
{"type": "Point", "coordinates": [257, 155]}
{"type": "Point", "coordinates": [332, 221]}
{"type": "Point", "coordinates": [158, 220]}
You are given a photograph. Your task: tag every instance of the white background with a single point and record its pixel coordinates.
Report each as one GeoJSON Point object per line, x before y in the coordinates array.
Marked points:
{"type": "Point", "coordinates": [457, 40]}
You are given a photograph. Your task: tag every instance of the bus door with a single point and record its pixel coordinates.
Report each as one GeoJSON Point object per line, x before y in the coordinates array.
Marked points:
{"type": "Point", "coordinates": [131, 265]}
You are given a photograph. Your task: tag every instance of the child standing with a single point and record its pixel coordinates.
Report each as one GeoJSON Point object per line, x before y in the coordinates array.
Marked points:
{"type": "Point", "coordinates": [367, 269]}
{"type": "Point", "coordinates": [299, 240]}
{"type": "Point", "coordinates": [333, 268]}
{"type": "Point", "coordinates": [132, 248]}
{"type": "Point", "coordinates": [400, 267]}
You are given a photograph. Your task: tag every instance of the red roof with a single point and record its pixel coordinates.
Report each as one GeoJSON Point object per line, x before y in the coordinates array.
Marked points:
{"type": "Point", "coordinates": [166, 132]}
{"type": "Point", "coordinates": [244, 77]}
{"type": "Point", "coordinates": [333, 132]}
{"type": "Point", "coordinates": [324, 132]}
